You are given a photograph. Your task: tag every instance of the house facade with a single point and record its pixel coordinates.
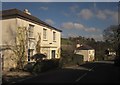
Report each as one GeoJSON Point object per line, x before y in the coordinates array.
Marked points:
{"type": "Point", "coordinates": [87, 51]}
{"type": "Point", "coordinates": [50, 37]}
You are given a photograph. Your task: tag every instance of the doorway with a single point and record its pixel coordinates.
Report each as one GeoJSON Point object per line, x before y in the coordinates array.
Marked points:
{"type": "Point", "coordinates": [53, 54]}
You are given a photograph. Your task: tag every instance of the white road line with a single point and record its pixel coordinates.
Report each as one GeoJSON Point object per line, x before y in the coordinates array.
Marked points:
{"type": "Point", "coordinates": [81, 77]}
{"type": "Point", "coordinates": [84, 74]}
{"type": "Point", "coordinates": [91, 68]}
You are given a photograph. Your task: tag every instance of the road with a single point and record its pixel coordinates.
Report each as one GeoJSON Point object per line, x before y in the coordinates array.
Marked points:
{"type": "Point", "coordinates": [95, 72]}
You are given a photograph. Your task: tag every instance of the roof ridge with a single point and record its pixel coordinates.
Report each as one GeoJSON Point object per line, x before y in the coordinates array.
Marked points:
{"type": "Point", "coordinates": [84, 47]}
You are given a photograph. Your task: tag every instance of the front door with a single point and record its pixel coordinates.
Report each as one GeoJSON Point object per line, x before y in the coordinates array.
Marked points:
{"type": "Point", "coordinates": [30, 54]}
{"type": "Point", "coordinates": [53, 54]}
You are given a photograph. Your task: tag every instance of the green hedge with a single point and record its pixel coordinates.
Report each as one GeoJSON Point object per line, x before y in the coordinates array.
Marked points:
{"type": "Point", "coordinates": [71, 59]}
{"type": "Point", "coordinates": [77, 59]}
{"type": "Point", "coordinates": [45, 65]}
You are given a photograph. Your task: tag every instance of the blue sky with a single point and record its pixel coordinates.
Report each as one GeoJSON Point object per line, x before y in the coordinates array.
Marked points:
{"type": "Point", "coordinates": [87, 19]}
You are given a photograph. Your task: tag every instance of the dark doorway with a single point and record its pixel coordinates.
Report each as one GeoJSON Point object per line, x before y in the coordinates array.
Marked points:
{"type": "Point", "coordinates": [30, 53]}
{"type": "Point", "coordinates": [53, 53]}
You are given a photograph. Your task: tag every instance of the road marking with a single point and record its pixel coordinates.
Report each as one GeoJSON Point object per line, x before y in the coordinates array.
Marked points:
{"type": "Point", "coordinates": [91, 68]}
{"type": "Point", "coordinates": [81, 77]}
{"type": "Point", "coordinates": [84, 74]}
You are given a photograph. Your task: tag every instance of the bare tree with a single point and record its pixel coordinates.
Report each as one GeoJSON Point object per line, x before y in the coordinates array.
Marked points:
{"type": "Point", "coordinates": [20, 46]}
{"type": "Point", "coordinates": [38, 43]}
{"type": "Point", "coordinates": [112, 36]}
{"type": "Point", "coordinates": [38, 57]}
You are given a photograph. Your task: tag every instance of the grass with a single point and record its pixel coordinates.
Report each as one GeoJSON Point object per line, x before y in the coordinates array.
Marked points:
{"type": "Point", "coordinates": [13, 76]}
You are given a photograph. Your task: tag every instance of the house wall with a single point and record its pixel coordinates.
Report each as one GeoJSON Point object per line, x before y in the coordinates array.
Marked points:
{"type": "Point", "coordinates": [46, 45]}
{"type": "Point", "coordinates": [8, 31]}
{"type": "Point", "coordinates": [91, 55]}
{"type": "Point", "coordinates": [88, 54]}
{"type": "Point", "coordinates": [8, 36]}
{"type": "Point", "coordinates": [84, 53]}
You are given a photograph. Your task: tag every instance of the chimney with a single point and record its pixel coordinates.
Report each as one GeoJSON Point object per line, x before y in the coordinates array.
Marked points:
{"type": "Point", "coordinates": [27, 12]}
{"type": "Point", "coordinates": [78, 45]}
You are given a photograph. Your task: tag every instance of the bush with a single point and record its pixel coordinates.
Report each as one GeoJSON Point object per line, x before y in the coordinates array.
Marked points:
{"type": "Point", "coordinates": [29, 66]}
{"type": "Point", "coordinates": [66, 57]}
{"type": "Point", "coordinates": [70, 59]}
{"type": "Point", "coordinates": [37, 68]}
{"type": "Point", "coordinates": [77, 59]}
{"type": "Point", "coordinates": [45, 65]}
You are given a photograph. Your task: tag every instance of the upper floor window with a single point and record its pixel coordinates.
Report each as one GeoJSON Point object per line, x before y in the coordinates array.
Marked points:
{"type": "Point", "coordinates": [30, 30]}
{"type": "Point", "coordinates": [89, 52]}
{"type": "Point", "coordinates": [44, 34]}
{"type": "Point", "coordinates": [54, 36]}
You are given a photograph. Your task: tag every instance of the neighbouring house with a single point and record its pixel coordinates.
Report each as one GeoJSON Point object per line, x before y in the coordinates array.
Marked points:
{"type": "Point", "coordinates": [110, 54]}
{"type": "Point", "coordinates": [85, 50]}
{"type": "Point", "coordinates": [50, 36]}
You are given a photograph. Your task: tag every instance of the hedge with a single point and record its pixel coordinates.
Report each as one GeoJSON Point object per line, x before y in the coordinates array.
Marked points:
{"type": "Point", "coordinates": [45, 65]}
{"type": "Point", "coordinates": [78, 59]}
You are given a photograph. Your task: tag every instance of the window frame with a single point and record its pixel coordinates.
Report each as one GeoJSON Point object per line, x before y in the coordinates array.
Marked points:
{"type": "Point", "coordinates": [44, 34]}
{"type": "Point", "coordinates": [54, 36]}
{"type": "Point", "coordinates": [30, 31]}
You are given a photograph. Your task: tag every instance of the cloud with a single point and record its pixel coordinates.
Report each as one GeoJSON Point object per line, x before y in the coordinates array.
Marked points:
{"type": "Point", "coordinates": [115, 16]}
{"type": "Point", "coordinates": [49, 21]}
{"type": "Point", "coordinates": [72, 35]}
{"type": "Point", "coordinates": [74, 8]}
{"type": "Point", "coordinates": [44, 8]}
{"type": "Point", "coordinates": [78, 26]}
{"type": "Point", "coordinates": [68, 25]}
{"type": "Point", "coordinates": [94, 5]}
{"type": "Point", "coordinates": [92, 29]}
{"type": "Point", "coordinates": [98, 37]}
{"type": "Point", "coordinates": [112, 14]}
{"type": "Point", "coordinates": [85, 13]}
{"type": "Point", "coordinates": [71, 25]}
{"type": "Point", "coordinates": [101, 15]}
{"type": "Point", "coordinates": [104, 14]}
{"type": "Point", "coordinates": [65, 14]}
{"type": "Point", "coordinates": [108, 12]}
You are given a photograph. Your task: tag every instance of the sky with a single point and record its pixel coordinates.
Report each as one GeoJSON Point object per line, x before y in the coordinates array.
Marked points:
{"type": "Point", "coordinates": [87, 19]}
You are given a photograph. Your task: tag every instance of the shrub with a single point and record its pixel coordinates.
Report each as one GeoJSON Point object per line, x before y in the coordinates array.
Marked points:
{"type": "Point", "coordinates": [70, 59]}
{"type": "Point", "coordinates": [38, 57]}
{"type": "Point", "coordinates": [37, 68]}
{"type": "Point", "coordinates": [45, 65]}
{"type": "Point", "coordinates": [66, 57]}
{"type": "Point", "coordinates": [77, 59]}
{"type": "Point", "coordinates": [29, 66]}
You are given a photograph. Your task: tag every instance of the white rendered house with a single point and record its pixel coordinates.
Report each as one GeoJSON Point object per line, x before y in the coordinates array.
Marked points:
{"type": "Point", "coordinates": [87, 52]}
{"type": "Point", "coordinates": [50, 36]}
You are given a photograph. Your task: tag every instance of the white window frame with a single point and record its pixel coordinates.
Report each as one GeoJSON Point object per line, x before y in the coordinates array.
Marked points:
{"type": "Point", "coordinates": [44, 34]}
{"type": "Point", "coordinates": [30, 30]}
{"type": "Point", "coordinates": [54, 36]}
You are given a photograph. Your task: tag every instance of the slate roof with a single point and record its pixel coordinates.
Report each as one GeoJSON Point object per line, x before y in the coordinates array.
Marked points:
{"type": "Point", "coordinates": [84, 47]}
{"type": "Point", "coordinates": [15, 13]}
